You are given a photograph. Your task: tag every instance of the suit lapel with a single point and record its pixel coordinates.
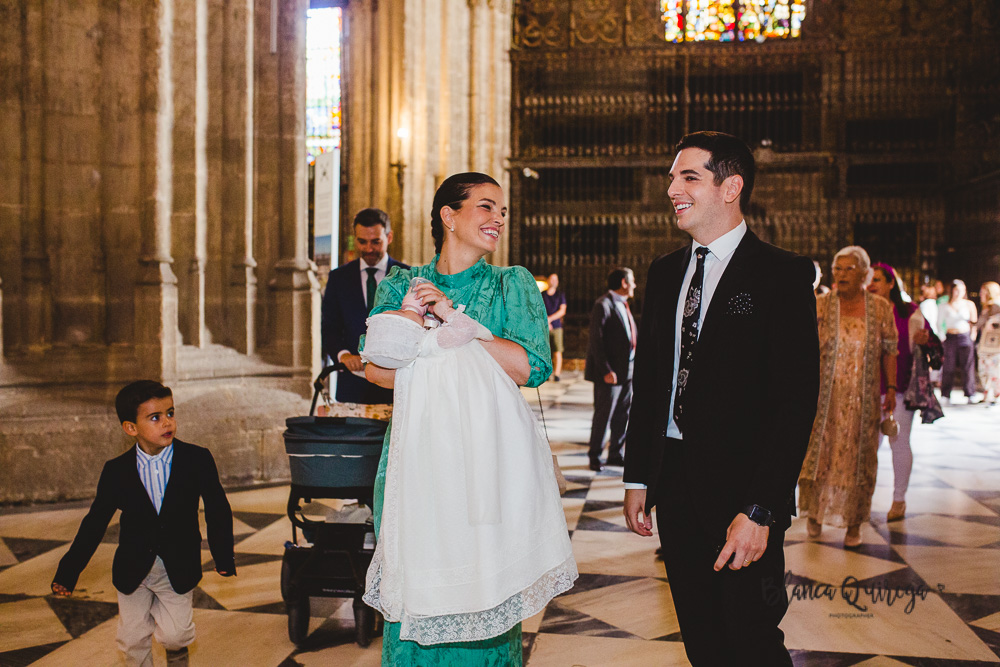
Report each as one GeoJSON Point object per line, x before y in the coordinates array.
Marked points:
{"type": "Point", "coordinates": [732, 281]}
{"type": "Point", "coordinates": [175, 462]}
{"type": "Point", "coordinates": [354, 289]}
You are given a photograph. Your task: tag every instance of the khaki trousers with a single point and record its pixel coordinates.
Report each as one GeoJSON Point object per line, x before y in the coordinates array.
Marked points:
{"type": "Point", "coordinates": [153, 609]}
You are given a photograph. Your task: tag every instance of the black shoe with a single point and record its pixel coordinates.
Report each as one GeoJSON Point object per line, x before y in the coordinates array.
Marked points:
{"type": "Point", "coordinates": [556, 378]}
{"type": "Point", "coordinates": [595, 464]}
{"type": "Point", "coordinates": [616, 462]}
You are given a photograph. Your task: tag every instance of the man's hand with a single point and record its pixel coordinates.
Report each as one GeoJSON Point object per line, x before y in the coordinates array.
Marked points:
{"type": "Point", "coordinates": [352, 361]}
{"type": "Point", "coordinates": [745, 539]}
{"type": "Point", "coordinates": [611, 378]}
{"type": "Point", "coordinates": [61, 590]}
{"type": "Point", "coordinates": [638, 521]}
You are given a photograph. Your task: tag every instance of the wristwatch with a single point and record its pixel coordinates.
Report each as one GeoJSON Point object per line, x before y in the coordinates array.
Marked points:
{"type": "Point", "coordinates": [759, 515]}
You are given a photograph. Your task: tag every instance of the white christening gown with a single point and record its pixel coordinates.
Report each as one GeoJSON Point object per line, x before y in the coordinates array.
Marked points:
{"type": "Point", "coordinates": [473, 537]}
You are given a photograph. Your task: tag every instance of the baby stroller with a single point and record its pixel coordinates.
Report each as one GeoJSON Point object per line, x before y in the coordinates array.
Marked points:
{"type": "Point", "coordinates": [330, 457]}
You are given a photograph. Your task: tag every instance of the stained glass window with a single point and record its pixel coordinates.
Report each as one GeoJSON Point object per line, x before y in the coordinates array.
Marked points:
{"type": "Point", "coordinates": [731, 20]}
{"type": "Point", "coordinates": [323, 112]}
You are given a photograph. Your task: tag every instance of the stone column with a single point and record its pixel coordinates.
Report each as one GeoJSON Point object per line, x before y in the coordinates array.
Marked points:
{"type": "Point", "coordinates": [188, 217]}
{"type": "Point", "coordinates": [295, 289]}
{"type": "Point", "coordinates": [11, 152]}
{"type": "Point", "coordinates": [156, 338]}
{"type": "Point", "coordinates": [238, 176]}
{"type": "Point", "coordinates": [36, 303]}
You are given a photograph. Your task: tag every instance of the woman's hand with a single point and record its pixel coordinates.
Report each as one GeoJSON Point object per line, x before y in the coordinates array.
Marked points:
{"type": "Point", "coordinates": [434, 299]}
{"type": "Point", "coordinates": [889, 404]}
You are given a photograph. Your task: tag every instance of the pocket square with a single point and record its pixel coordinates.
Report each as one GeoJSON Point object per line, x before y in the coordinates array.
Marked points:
{"type": "Point", "coordinates": [741, 304]}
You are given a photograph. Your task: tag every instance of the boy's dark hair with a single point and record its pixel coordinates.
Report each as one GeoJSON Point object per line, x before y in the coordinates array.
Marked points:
{"type": "Point", "coordinates": [729, 157]}
{"type": "Point", "coordinates": [370, 217]}
{"type": "Point", "coordinates": [616, 277]}
{"type": "Point", "coordinates": [133, 395]}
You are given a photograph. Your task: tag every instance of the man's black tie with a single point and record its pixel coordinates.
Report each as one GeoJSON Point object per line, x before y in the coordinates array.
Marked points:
{"type": "Point", "coordinates": [371, 286]}
{"type": "Point", "coordinates": [689, 333]}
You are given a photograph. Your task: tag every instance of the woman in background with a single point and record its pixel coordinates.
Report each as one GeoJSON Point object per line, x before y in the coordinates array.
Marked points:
{"type": "Point", "coordinates": [988, 351]}
{"type": "Point", "coordinates": [910, 328]}
{"type": "Point", "coordinates": [956, 317]}
{"type": "Point", "coordinates": [857, 337]}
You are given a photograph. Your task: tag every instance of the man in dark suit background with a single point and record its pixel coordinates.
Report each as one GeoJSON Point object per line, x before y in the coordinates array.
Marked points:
{"type": "Point", "coordinates": [349, 297]}
{"type": "Point", "coordinates": [726, 383]}
{"type": "Point", "coordinates": [609, 366]}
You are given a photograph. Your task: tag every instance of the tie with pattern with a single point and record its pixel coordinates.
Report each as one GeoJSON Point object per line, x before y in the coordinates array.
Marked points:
{"type": "Point", "coordinates": [689, 333]}
{"type": "Point", "coordinates": [371, 286]}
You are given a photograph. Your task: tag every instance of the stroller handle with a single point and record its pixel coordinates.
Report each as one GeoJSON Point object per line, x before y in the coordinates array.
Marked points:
{"type": "Point", "coordinates": [318, 383]}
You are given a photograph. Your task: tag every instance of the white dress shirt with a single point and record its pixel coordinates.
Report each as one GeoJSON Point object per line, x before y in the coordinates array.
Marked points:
{"type": "Point", "coordinates": [720, 252]}
{"type": "Point", "coordinates": [154, 472]}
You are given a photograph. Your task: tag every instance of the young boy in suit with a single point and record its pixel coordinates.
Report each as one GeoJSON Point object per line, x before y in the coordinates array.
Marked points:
{"type": "Point", "coordinates": [157, 485]}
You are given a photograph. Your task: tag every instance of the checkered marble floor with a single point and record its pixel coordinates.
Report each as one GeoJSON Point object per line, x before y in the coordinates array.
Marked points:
{"type": "Point", "coordinates": [922, 591]}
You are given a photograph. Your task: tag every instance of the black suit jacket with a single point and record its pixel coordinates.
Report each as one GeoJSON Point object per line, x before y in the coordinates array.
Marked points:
{"type": "Point", "coordinates": [173, 535]}
{"type": "Point", "coordinates": [344, 320]}
{"type": "Point", "coordinates": [610, 344]}
{"type": "Point", "coordinates": [751, 395]}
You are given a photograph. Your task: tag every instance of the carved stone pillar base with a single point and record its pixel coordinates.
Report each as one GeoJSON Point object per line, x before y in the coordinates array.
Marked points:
{"type": "Point", "coordinates": [156, 335]}
{"type": "Point", "coordinates": [242, 303]}
{"type": "Point", "coordinates": [296, 333]}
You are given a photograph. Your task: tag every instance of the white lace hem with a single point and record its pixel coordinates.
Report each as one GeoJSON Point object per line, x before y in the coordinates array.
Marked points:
{"type": "Point", "coordinates": [479, 625]}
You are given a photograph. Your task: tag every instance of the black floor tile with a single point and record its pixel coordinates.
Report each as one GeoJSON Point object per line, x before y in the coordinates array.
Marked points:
{"type": "Point", "coordinates": [26, 656]}
{"type": "Point", "coordinates": [80, 616]}
{"type": "Point", "coordinates": [257, 520]}
{"type": "Point", "coordinates": [25, 548]}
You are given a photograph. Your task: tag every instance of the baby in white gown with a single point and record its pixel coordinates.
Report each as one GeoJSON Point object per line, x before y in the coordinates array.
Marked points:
{"type": "Point", "coordinates": [473, 538]}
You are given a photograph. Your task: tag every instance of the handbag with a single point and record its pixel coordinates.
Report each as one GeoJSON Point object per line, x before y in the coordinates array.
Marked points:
{"type": "Point", "coordinates": [933, 351]}
{"type": "Point", "coordinates": [989, 337]}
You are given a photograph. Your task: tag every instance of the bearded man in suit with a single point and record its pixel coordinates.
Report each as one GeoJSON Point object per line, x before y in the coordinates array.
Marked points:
{"type": "Point", "coordinates": [349, 297]}
{"type": "Point", "coordinates": [725, 389]}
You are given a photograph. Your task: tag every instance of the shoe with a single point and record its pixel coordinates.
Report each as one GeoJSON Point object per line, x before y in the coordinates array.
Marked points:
{"type": "Point", "coordinates": [555, 378]}
{"type": "Point", "coordinates": [616, 462]}
{"type": "Point", "coordinates": [897, 511]}
{"type": "Point", "coordinates": [595, 464]}
{"type": "Point", "coordinates": [852, 541]}
{"type": "Point", "coordinates": [814, 528]}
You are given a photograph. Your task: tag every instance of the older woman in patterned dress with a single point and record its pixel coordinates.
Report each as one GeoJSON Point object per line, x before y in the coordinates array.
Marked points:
{"type": "Point", "coordinates": [858, 339]}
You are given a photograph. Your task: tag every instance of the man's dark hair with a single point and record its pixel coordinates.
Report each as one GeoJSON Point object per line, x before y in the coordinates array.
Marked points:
{"type": "Point", "coordinates": [369, 217]}
{"type": "Point", "coordinates": [133, 395]}
{"type": "Point", "coordinates": [451, 193]}
{"type": "Point", "coordinates": [729, 157]}
{"type": "Point", "coordinates": [616, 277]}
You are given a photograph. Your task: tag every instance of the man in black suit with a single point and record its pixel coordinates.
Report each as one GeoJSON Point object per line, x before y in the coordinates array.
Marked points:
{"type": "Point", "coordinates": [157, 484]}
{"type": "Point", "coordinates": [609, 366]}
{"type": "Point", "coordinates": [726, 383]}
{"type": "Point", "coordinates": [349, 297]}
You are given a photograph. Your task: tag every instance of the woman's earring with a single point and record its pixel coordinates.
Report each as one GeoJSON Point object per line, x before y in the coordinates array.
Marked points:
{"type": "Point", "coordinates": [452, 228]}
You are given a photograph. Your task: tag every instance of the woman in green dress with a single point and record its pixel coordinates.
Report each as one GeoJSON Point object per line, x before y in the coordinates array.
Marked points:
{"type": "Point", "coordinates": [467, 220]}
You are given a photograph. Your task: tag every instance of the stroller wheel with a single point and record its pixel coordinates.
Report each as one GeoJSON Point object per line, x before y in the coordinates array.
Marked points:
{"type": "Point", "coordinates": [298, 619]}
{"type": "Point", "coordinates": [364, 623]}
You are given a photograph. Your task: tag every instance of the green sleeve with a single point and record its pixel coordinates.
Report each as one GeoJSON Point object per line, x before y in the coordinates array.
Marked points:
{"type": "Point", "coordinates": [389, 295]}
{"type": "Point", "coordinates": [526, 323]}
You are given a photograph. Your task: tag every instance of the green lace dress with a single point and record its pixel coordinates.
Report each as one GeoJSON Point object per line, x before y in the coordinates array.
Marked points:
{"type": "Point", "coordinates": [508, 303]}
